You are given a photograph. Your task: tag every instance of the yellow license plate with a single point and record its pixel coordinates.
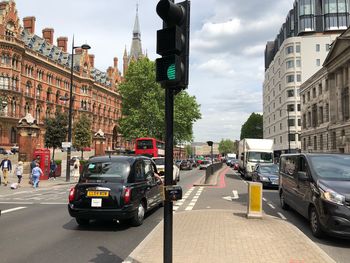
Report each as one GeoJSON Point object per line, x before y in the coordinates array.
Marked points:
{"type": "Point", "coordinates": [97, 193]}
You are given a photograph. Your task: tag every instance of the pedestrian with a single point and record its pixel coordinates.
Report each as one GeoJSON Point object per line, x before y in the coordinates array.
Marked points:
{"type": "Point", "coordinates": [76, 171]}
{"type": "Point", "coordinates": [6, 167]}
{"type": "Point", "coordinates": [19, 172]}
{"type": "Point", "coordinates": [36, 173]}
{"type": "Point", "coordinates": [53, 167]}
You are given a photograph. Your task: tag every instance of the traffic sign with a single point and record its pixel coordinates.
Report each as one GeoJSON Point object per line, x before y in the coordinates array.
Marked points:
{"type": "Point", "coordinates": [66, 144]}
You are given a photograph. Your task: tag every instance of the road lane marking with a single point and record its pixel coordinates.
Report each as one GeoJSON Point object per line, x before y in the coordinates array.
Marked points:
{"type": "Point", "coordinates": [264, 199]}
{"type": "Point", "coordinates": [194, 199]}
{"type": "Point", "coordinates": [282, 216]}
{"type": "Point", "coordinates": [17, 203]}
{"type": "Point", "coordinates": [12, 209]}
{"type": "Point", "coordinates": [235, 194]}
{"type": "Point", "coordinates": [271, 205]}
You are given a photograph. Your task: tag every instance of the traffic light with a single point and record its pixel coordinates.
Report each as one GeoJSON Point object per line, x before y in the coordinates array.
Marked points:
{"type": "Point", "coordinates": [173, 44]}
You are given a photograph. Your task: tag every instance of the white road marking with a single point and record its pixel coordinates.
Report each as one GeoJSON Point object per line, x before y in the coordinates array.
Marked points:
{"type": "Point", "coordinates": [54, 203]}
{"type": "Point", "coordinates": [228, 198]}
{"type": "Point", "coordinates": [18, 203]}
{"type": "Point", "coordinates": [13, 209]}
{"type": "Point", "coordinates": [282, 216]}
{"type": "Point", "coordinates": [235, 194]}
{"type": "Point", "coordinates": [271, 205]}
{"type": "Point", "coordinates": [194, 199]}
{"type": "Point", "coordinates": [188, 208]}
{"type": "Point", "coordinates": [264, 199]}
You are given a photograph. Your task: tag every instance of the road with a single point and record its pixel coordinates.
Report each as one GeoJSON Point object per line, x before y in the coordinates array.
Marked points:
{"type": "Point", "coordinates": [36, 226]}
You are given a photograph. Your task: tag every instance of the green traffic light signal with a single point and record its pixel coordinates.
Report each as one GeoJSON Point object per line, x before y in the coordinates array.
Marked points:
{"type": "Point", "coordinates": [171, 72]}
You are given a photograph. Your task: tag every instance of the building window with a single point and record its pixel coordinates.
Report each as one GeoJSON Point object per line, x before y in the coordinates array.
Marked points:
{"type": "Point", "coordinates": [335, 14]}
{"type": "Point", "coordinates": [290, 64]}
{"type": "Point", "coordinates": [290, 107]}
{"type": "Point", "coordinates": [298, 63]}
{"type": "Point", "coordinates": [321, 115]}
{"type": "Point", "coordinates": [281, 139]}
{"type": "Point", "coordinates": [304, 121]}
{"type": "Point", "coordinates": [308, 96]}
{"type": "Point", "coordinates": [280, 126]}
{"type": "Point", "coordinates": [314, 115]}
{"type": "Point", "coordinates": [317, 47]}
{"type": "Point", "coordinates": [304, 144]}
{"type": "Point", "coordinates": [321, 142]}
{"type": "Point", "coordinates": [345, 103]}
{"type": "Point", "coordinates": [318, 62]}
{"type": "Point", "coordinates": [299, 122]}
{"type": "Point", "coordinates": [290, 78]}
{"type": "Point", "coordinates": [4, 83]}
{"type": "Point", "coordinates": [291, 122]}
{"type": "Point", "coordinates": [297, 48]}
{"type": "Point", "coordinates": [289, 50]}
{"type": "Point", "coordinates": [298, 107]}
{"type": "Point", "coordinates": [298, 78]}
{"type": "Point", "coordinates": [313, 92]}
{"type": "Point", "coordinates": [315, 143]}
{"type": "Point", "coordinates": [292, 137]}
{"type": "Point", "coordinates": [327, 113]}
{"type": "Point", "coordinates": [309, 121]}
{"type": "Point", "coordinates": [334, 140]}
{"type": "Point", "coordinates": [320, 89]}
{"type": "Point", "coordinates": [304, 98]}
{"type": "Point", "coordinates": [290, 93]}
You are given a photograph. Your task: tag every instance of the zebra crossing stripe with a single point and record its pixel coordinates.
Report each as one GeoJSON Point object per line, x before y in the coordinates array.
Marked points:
{"type": "Point", "coordinates": [13, 209]}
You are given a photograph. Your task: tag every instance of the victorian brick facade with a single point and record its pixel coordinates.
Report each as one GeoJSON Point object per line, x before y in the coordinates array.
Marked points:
{"type": "Point", "coordinates": [35, 75]}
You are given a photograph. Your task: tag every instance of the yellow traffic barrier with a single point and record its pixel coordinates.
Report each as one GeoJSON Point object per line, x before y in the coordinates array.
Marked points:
{"type": "Point", "coordinates": [254, 200]}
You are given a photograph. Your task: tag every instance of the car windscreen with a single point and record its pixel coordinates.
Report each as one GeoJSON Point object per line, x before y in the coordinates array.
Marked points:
{"type": "Point", "coordinates": [114, 172]}
{"type": "Point", "coordinates": [334, 167]}
{"type": "Point", "coordinates": [271, 169]}
{"type": "Point", "coordinates": [261, 157]}
{"type": "Point", "coordinates": [159, 161]}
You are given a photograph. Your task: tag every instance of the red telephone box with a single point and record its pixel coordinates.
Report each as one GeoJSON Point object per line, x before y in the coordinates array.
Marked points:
{"type": "Point", "coordinates": [44, 161]}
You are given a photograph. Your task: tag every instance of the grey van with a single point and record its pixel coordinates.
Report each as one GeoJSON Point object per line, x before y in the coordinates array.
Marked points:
{"type": "Point", "coordinates": [318, 187]}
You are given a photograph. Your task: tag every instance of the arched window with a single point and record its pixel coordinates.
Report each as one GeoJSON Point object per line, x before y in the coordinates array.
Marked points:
{"type": "Point", "coordinates": [38, 91]}
{"type": "Point", "coordinates": [26, 108]}
{"type": "Point", "coordinates": [13, 135]}
{"type": "Point", "coordinates": [37, 114]}
{"type": "Point", "coordinates": [28, 88]}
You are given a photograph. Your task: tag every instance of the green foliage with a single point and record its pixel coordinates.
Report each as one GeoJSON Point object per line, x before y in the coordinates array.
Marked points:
{"type": "Point", "coordinates": [226, 146]}
{"type": "Point", "coordinates": [188, 150]}
{"type": "Point", "coordinates": [253, 127]}
{"type": "Point", "coordinates": [82, 132]}
{"type": "Point", "coordinates": [55, 130]}
{"type": "Point", "coordinates": [144, 106]}
{"type": "Point", "coordinates": [58, 162]}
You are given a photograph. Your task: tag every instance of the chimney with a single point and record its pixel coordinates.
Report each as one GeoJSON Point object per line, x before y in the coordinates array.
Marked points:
{"type": "Point", "coordinates": [29, 23]}
{"type": "Point", "coordinates": [62, 43]}
{"type": "Point", "coordinates": [92, 60]}
{"type": "Point", "coordinates": [48, 35]}
{"type": "Point", "coordinates": [115, 62]}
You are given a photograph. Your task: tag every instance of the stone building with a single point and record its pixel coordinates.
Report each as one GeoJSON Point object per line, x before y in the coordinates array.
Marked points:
{"type": "Point", "coordinates": [35, 75]}
{"type": "Point", "coordinates": [297, 52]}
{"type": "Point", "coordinates": [325, 102]}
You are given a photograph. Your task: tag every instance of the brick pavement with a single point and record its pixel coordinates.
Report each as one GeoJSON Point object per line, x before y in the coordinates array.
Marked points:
{"type": "Point", "coordinates": [223, 236]}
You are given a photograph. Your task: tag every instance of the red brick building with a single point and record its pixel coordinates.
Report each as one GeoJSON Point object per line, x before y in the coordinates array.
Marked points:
{"type": "Point", "coordinates": [35, 74]}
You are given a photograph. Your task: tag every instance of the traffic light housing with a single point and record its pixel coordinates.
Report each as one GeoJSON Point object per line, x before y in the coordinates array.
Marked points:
{"type": "Point", "coordinates": [173, 44]}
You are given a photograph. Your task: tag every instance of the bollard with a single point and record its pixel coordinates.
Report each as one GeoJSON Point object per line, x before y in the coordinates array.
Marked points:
{"type": "Point", "coordinates": [254, 200]}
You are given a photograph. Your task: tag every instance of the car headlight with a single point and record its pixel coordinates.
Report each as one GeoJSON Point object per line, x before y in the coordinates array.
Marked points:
{"type": "Point", "coordinates": [264, 178]}
{"type": "Point", "coordinates": [332, 196]}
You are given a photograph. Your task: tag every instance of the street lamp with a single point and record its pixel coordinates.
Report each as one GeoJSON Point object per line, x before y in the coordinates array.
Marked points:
{"type": "Point", "coordinates": [85, 47]}
{"type": "Point", "coordinates": [210, 143]}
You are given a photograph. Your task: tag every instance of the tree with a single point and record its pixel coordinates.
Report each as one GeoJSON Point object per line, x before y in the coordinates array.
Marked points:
{"type": "Point", "coordinates": [188, 149]}
{"type": "Point", "coordinates": [144, 106]}
{"type": "Point", "coordinates": [82, 133]}
{"type": "Point", "coordinates": [55, 131]}
{"type": "Point", "coordinates": [253, 127]}
{"type": "Point", "coordinates": [226, 146]}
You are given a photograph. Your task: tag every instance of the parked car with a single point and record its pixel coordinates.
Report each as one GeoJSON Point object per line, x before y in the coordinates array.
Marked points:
{"type": "Point", "coordinates": [14, 149]}
{"type": "Point", "coordinates": [116, 187]}
{"type": "Point", "coordinates": [160, 163]}
{"type": "Point", "coordinates": [204, 165]}
{"type": "Point", "coordinates": [317, 186]}
{"type": "Point", "coordinates": [185, 165]}
{"type": "Point", "coordinates": [267, 174]}
{"type": "Point", "coordinates": [3, 151]}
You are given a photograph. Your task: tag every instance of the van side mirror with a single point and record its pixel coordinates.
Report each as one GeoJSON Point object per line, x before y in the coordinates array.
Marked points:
{"type": "Point", "coordinates": [303, 176]}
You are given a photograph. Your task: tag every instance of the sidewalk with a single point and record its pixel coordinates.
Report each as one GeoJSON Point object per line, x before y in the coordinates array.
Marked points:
{"type": "Point", "coordinates": [223, 236]}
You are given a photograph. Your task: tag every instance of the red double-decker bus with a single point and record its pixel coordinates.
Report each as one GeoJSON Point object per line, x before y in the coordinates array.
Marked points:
{"type": "Point", "coordinates": [149, 147]}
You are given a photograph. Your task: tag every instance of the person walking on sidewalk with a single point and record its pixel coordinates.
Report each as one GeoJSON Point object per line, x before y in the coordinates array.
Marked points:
{"type": "Point", "coordinates": [53, 167]}
{"type": "Point", "coordinates": [6, 167]}
{"type": "Point", "coordinates": [36, 173]}
{"type": "Point", "coordinates": [19, 172]}
{"type": "Point", "coordinates": [76, 171]}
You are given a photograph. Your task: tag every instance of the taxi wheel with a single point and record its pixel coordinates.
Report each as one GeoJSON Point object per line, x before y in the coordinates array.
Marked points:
{"type": "Point", "coordinates": [137, 220]}
{"type": "Point", "coordinates": [284, 205]}
{"type": "Point", "coordinates": [82, 221]}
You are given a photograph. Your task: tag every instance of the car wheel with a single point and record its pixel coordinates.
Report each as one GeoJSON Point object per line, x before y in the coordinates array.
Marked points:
{"type": "Point", "coordinates": [137, 220]}
{"type": "Point", "coordinates": [284, 205]}
{"type": "Point", "coordinates": [82, 221]}
{"type": "Point", "coordinates": [315, 223]}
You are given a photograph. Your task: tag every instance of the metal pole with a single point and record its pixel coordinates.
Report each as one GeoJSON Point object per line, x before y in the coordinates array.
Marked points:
{"type": "Point", "coordinates": [288, 131]}
{"type": "Point", "coordinates": [168, 205]}
{"type": "Point", "coordinates": [211, 153]}
{"type": "Point", "coordinates": [70, 115]}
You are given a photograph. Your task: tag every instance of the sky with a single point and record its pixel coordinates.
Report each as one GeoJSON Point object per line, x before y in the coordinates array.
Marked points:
{"type": "Point", "coordinates": [227, 43]}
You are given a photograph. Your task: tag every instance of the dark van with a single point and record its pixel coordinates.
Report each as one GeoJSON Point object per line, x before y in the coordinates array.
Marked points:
{"type": "Point", "coordinates": [318, 187]}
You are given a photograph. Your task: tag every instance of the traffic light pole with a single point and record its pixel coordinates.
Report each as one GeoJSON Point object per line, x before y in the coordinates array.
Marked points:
{"type": "Point", "coordinates": [168, 205]}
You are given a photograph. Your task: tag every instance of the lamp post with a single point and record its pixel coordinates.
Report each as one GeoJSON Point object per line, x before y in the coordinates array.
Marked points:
{"type": "Point", "coordinates": [85, 47]}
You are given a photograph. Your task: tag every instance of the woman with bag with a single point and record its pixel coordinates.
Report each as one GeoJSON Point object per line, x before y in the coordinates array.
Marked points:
{"type": "Point", "coordinates": [19, 172]}
{"type": "Point", "coordinates": [76, 171]}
